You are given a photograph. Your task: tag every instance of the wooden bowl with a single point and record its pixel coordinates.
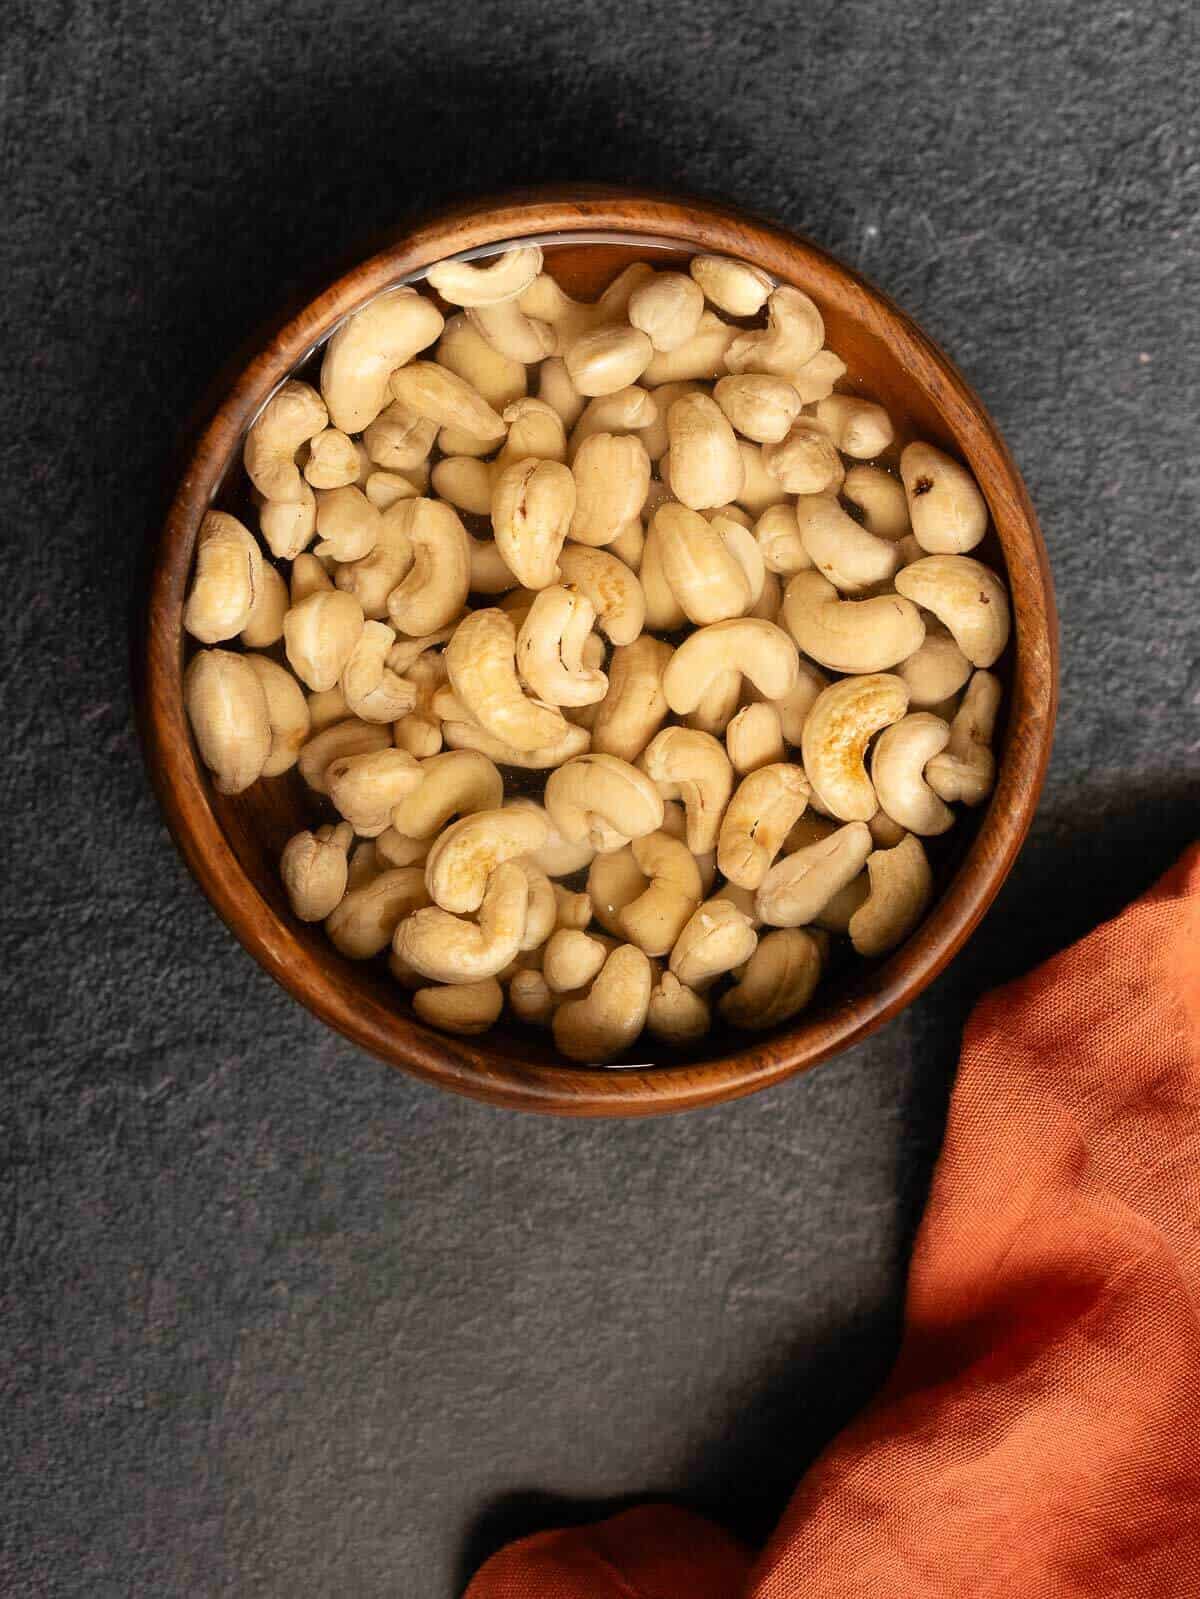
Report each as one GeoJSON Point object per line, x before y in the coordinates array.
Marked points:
{"type": "Point", "coordinates": [232, 844]}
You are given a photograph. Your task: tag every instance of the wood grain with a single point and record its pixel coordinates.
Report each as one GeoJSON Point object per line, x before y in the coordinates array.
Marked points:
{"type": "Point", "coordinates": [232, 844]}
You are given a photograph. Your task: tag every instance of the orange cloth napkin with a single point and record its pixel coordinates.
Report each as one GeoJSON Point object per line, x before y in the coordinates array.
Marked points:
{"type": "Point", "coordinates": [1040, 1434]}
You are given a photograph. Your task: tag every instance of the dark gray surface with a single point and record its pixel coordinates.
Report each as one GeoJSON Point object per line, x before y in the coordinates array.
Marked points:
{"type": "Point", "coordinates": [273, 1318]}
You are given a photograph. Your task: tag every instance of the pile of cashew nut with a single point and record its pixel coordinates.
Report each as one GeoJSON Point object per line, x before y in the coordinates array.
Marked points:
{"type": "Point", "coordinates": [628, 661]}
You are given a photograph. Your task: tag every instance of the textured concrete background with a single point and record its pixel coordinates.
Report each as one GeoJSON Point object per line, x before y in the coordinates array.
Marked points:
{"type": "Point", "coordinates": [277, 1320]}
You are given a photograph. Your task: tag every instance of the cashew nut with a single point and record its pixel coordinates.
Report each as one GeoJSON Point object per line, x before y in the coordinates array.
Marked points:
{"type": "Point", "coordinates": [533, 502]}
{"type": "Point", "coordinates": [936, 671]}
{"type": "Point", "coordinates": [319, 636]}
{"type": "Point", "coordinates": [227, 707]}
{"type": "Point", "coordinates": [701, 357]}
{"type": "Point", "coordinates": [777, 535]}
{"type": "Point", "coordinates": [350, 737]}
{"type": "Point", "coordinates": [881, 499]}
{"type": "Point", "coordinates": [760, 490]}
{"type": "Point", "coordinates": [850, 635]}
{"type": "Point", "coordinates": [676, 1014]}
{"type": "Point", "coordinates": [372, 579]}
{"type": "Point", "coordinates": [885, 834]}
{"type": "Point", "coordinates": [366, 350]}
{"type": "Point", "coordinates": [451, 950]}
{"type": "Point", "coordinates": [383, 489]}
{"type": "Point", "coordinates": [607, 359]}
{"type": "Point", "coordinates": [228, 580]}
{"type": "Point", "coordinates": [815, 380]}
{"type": "Point", "coordinates": [629, 544]}
{"type": "Point", "coordinates": [758, 650]}
{"type": "Point", "coordinates": [655, 919]}
{"type": "Point", "coordinates": [757, 820]}
{"type": "Point", "coordinates": [542, 912]}
{"type": "Point", "coordinates": [851, 558]}
{"type": "Point", "coordinates": [571, 910]}
{"type": "Point", "coordinates": [400, 438]}
{"type": "Point", "coordinates": [717, 938]}
{"type": "Point", "coordinates": [467, 854]}
{"type": "Point", "coordinates": [510, 332]}
{"type": "Point", "coordinates": [614, 881]}
{"type": "Point", "coordinates": [550, 649]}
{"type": "Point", "coordinates": [466, 1008]}
{"type": "Point", "coordinates": [313, 869]}
{"type": "Point", "coordinates": [456, 783]}
{"type": "Point", "coordinates": [556, 388]}
{"type": "Point", "coordinates": [627, 410]}
{"type": "Point", "coordinates": [705, 576]}
{"type": "Point", "coordinates": [333, 460]}
{"type": "Point", "coordinates": [372, 691]}
{"type": "Point", "coordinates": [571, 960]}
{"type": "Point", "coordinates": [662, 611]}
{"type": "Point", "coordinates": [363, 923]}
{"type": "Point", "coordinates": [967, 596]}
{"type": "Point", "coordinates": [754, 738]}
{"type": "Point", "coordinates": [901, 889]}
{"type": "Point", "coordinates": [294, 415]}
{"type": "Point", "coordinates": [490, 573]}
{"type": "Point", "coordinates": [778, 981]}
{"type": "Point", "coordinates": [530, 998]}
{"type": "Point", "coordinates": [465, 483]}
{"type": "Point", "coordinates": [799, 887]}
{"type": "Point", "coordinates": [897, 764]}
{"type": "Point", "coordinates": [287, 526]}
{"type": "Point", "coordinates": [481, 662]}
{"type": "Point", "coordinates": [557, 857]}
{"type": "Point", "coordinates": [433, 391]}
{"type": "Point", "coordinates": [347, 523]}
{"type": "Point", "coordinates": [691, 766]}
{"type": "Point", "coordinates": [858, 427]}
{"type": "Point", "coordinates": [842, 722]}
{"type": "Point", "coordinates": [733, 286]}
{"type": "Point", "coordinates": [308, 577]}
{"type": "Point", "coordinates": [287, 712]}
{"type": "Point", "coordinates": [949, 515]}
{"type": "Point", "coordinates": [604, 800]}
{"type": "Point", "coordinates": [612, 476]}
{"type": "Point", "coordinates": [463, 732]}
{"type": "Point", "coordinates": [264, 625]}
{"type": "Point", "coordinates": [760, 407]}
{"type": "Point", "coordinates": [503, 278]}
{"type": "Point", "coordinates": [395, 849]}
{"type": "Point", "coordinates": [602, 1025]}
{"type": "Point", "coordinates": [365, 788]}
{"type": "Point", "coordinates": [365, 864]}
{"type": "Point", "coordinates": [463, 350]}
{"type": "Point", "coordinates": [715, 711]}
{"type": "Point", "coordinates": [667, 309]}
{"type": "Point", "coordinates": [615, 591]}
{"type": "Point", "coordinates": [793, 708]}
{"type": "Point", "coordinates": [706, 464]}
{"type": "Point", "coordinates": [806, 460]}
{"type": "Point", "coordinates": [434, 590]}
{"type": "Point", "coordinates": [966, 771]}
{"type": "Point", "coordinates": [635, 707]}
{"type": "Point", "coordinates": [794, 333]}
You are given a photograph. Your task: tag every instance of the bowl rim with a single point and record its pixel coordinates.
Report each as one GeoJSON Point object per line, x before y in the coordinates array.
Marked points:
{"type": "Point", "coordinates": [464, 1065]}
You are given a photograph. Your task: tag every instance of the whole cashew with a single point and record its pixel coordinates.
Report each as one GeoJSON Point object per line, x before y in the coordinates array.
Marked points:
{"type": "Point", "coordinates": [534, 429]}
{"type": "Point", "coordinates": [757, 820]}
{"type": "Point", "coordinates": [464, 733]}
{"type": "Point", "coordinates": [881, 499]}
{"type": "Point", "coordinates": [604, 800]}
{"type": "Point", "coordinates": [372, 579]}
{"type": "Point", "coordinates": [949, 515]}
{"type": "Point", "coordinates": [468, 853]}
{"type": "Point", "coordinates": [365, 788]}
{"type": "Point", "coordinates": [264, 625]}
{"type": "Point", "coordinates": [676, 1013]}
{"type": "Point", "coordinates": [842, 722]}
{"type": "Point", "coordinates": [614, 881]}
{"type": "Point", "coordinates": [571, 960]}
{"type": "Point", "coordinates": [508, 330]}
{"type": "Point", "coordinates": [372, 691]}
{"type": "Point", "coordinates": [794, 333]}
{"type": "Point", "coordinates": [615, 591]}
{"type": "Point", "coordinates": [609, 1019]}
{"type": "Point", "coordinates": [897, 767]}
{"type": "Point", "coordinates": [635, 707]}
{"type": "Point", "coordinates": [532, 505]}
{"type": "Point", "coordinates": [434, 590]}
{"type": "Point", "coordinates": [655, 919]}
{"type": "Point", "coordinates": [450, 950]}
{"type": "Point", "coordinates": [503, 278]}
{"type": "Point", "coordinates": [717, 938]}
{"type": "Point", "coordinates": [347, 523]}
{"type": "Point", "coordinates": [805, 461]}
{"type": "Point", "coordinates": [667, 309]}
{"type": "Point", "coordinates": [706, 464]}
{"type": "Point", "coordinates": [967, 769]}
{"type": "Point", "coordinates": [815, 380]}
{"type": "Point", "coordinates": [313, 869]}
{"type": "Point", "coordinates": [701, 357]}
{"type": "Point", "coordinates": [732, 286]}
{"type": "Point", "coordinates": [691, 766]}
{"type": "Point", "coordinates": [400, 438]}
{"type": "Point", "coordinates": [607, 359]}
{"type": "Point", "coordinates": [556, 388]}
{"type": "Point", "coordinates": [456, 783]}
{"type": "Point", "coordinates": [799, 887]}
{"type": "Point", "coordinates": [466, 1008]}
{"type": "Point", "coordinates": [935, 671]}
{"type": "Point", "coordinates": [901, 889]}
{"type": "Point", "coordinates": [705, 576]}
{"type": "Point", "coordinates": [967, 596]}
{"type": "Point", "coordinates": [433, 391]}
{"type": "Point", "coordinates": [627, 410]}
{"type": "Point", "coordinates": [463, 351]}
{"type": "Point", "coordinates": [612, 476]}
{"type": "Point", "coordinates": [546, 302]}
{"type": "Point", "coordinates": [662, 611]}
{"type": "Point", "coordinates": [465, 483]}
{"type": "Point", "coordinates": [857, 427]}
{"type": "Point", "coordinates": [481, 662]}
{"type": "Point", "coordinates": [550, 649]}
{"type": "Point", "coordinates": [319, 636]}
{"type": "Point", "coordinates": [227, 582]}
{"type": "Point", "coordinates": [754, 738]}
{"type": "Point", "coordinates": [777, 535]}
{"type": "Point", "coordinates": [227, 707]}
{"type": "Point", "coordinates": [851, 558]}
{"type": "Point", "coordinates": [850, 635]}
{"type": "Point", "coordinates": [287, 526]}
{"type": "Point", "coordinates": [291, 417]}
{"type": "Point", "coordinates": [333, 460]}
{"type": "Point", "coordinates": [760, 489]}
{"type": "Point", "coordinates": [383, 489]}
{"type": "Point", "coordinates": [778, 981]}
{"type": "Point", "coordinates": [367, 349]}
{"type": "Point", "coordinates": [760, 407]}
{"type": "Point", "coordinates": [758, 650]}
{"type": "Point", "coordinates": [364, 921]}
{"type": "Point", "coordinates": [350, 737]}
{"type": "Point", "coordinates": [287, 712]}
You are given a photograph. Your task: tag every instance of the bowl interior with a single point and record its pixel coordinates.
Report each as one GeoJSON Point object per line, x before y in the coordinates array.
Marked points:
{"type": "Point", "coordinates": [519, 1065]}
